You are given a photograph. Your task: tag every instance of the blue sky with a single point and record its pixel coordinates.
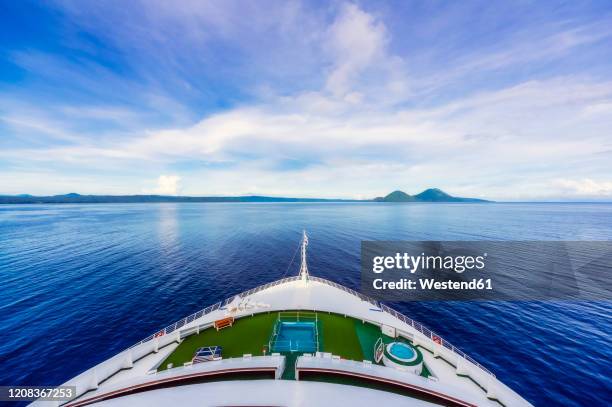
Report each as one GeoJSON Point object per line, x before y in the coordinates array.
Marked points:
{"type": "Point", "coordinates": [503, 100]}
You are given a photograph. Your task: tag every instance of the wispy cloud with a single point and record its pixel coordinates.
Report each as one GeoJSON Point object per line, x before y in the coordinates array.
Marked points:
{"type": "Point", "coordinates": [355, 40]}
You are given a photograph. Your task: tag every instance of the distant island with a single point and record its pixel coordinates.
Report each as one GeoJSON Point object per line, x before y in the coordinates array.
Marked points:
{"type": "Point", "coordinates": [429, 195]}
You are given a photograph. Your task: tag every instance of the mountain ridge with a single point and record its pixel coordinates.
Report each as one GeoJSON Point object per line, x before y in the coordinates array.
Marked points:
{"type": "Point", "coordinates": [428, 195]}
{"type": "Point", "coordinates": [77, 198]}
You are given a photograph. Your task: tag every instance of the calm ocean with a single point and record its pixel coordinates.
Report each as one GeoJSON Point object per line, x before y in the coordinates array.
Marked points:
{"type": "Point", "coordinates": [79, 283]}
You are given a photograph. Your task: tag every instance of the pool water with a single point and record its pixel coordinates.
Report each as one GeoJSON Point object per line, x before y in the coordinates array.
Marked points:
{"type": "Point", "coordinates": [295, 337]}
{"type": "Point", "coordinates": [402, 352]}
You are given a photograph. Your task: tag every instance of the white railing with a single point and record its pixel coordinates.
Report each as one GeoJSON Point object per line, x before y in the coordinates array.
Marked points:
{"type": "Point", "coordinates": [290, 345]}
{"type": "Point", "coordinates": [196, 315]}
{"type": "Point", "coordinates": [416, 325]}
{"type": "Point", "coordinates": [297, 316]}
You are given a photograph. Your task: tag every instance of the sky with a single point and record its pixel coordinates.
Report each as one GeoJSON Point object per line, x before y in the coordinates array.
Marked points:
{"type": "Point", "coordinates": [342, 99]}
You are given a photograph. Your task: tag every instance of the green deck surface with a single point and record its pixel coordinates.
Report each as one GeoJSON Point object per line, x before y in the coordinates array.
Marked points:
{"type": "Point", "coordinates": [343, 336]}
{"type": "Point", "coordinates": [346, 337]}
{"type": "Point", "coordinates": [290, 361]}
{"type": "Point", "coordinates": [338, 336]}
{"type": "Point", "coordinates": [248, 335]}
{"type": "Point", "coordinates": [367, 335]}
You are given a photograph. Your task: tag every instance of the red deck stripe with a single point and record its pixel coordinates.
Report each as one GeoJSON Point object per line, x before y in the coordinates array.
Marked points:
{"type": "Point", "coordinates": [380, 379]}
{"type": "Point", "coordinates": [168, 380]}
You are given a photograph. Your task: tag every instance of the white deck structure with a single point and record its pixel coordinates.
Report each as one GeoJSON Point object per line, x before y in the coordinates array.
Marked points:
{"type": "Point", "coordinates": [266, 393]}
{"type": "Point", "coordinates": [457, 378]}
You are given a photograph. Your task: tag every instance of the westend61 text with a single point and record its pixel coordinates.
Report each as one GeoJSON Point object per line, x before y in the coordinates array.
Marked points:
{"type": "Point", "coordinates": [431, 284]}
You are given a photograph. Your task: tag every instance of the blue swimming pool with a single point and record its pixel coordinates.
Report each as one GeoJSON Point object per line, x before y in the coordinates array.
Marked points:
{"type": "Point", "coordinates": [294, 337]}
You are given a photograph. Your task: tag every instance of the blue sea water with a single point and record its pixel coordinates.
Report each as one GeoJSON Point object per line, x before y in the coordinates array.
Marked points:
{"type": "Point", "coordinates": [79, 283]}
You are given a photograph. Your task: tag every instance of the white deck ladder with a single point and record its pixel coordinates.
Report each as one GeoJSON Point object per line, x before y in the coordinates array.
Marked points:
{"type": "Point", "coordinates": [378, 350]}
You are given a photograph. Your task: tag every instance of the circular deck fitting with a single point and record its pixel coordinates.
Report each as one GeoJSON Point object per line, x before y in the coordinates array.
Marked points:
{"type": "Point", "coordinates": [403, 356]}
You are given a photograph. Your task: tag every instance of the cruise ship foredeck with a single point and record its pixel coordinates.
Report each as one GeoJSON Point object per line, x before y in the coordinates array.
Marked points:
{"type": "Point", "coordinates": [350, 342]}
{"type": "Point", "coordinates": [347, 324]}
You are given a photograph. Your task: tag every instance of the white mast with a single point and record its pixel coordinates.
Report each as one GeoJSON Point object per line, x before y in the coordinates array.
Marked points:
{"type": "Point", "coordinates": [304, 266]}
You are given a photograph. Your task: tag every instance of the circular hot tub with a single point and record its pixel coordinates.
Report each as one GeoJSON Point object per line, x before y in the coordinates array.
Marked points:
{"type": "Point", "coordinates": [403, 356]}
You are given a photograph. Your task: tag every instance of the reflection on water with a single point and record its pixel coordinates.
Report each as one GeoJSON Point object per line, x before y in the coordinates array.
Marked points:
{"type": "Point", "coordinates": [167, 228]}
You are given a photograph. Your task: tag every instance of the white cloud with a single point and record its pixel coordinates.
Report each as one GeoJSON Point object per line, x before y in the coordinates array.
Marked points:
{"type": "Point", "coordinates": [167, 185]}
{"type": "Point", "coordinates": [585, 187]}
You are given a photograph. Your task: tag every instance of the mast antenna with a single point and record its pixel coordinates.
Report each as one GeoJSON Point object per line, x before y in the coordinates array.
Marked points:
{"type": "Point", "coordinates": [304, 266]}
